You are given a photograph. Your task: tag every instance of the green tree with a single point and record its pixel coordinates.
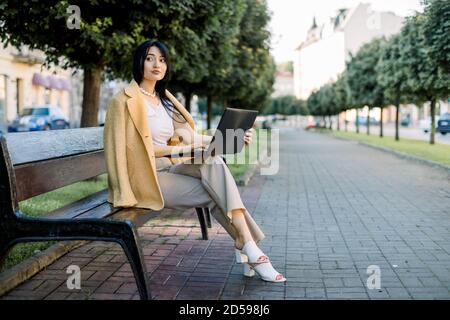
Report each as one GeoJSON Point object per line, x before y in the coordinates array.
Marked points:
{"type": "Point", "coordinates": [314, 106]}
{"type": "Point", "coordinates": [425, 79]}
{"type": "Point", "coordinates": [391, 74]}
{"type": "Point", "coordinates": [327, 103]}
{"type": "Point", "coordinates": [341, 94]}
{"type": "Point", "coordinates": [219, 46]}
{"type": "Point", "coordinates": [299, 107]}
{"type": "Point", "coordinates": [287, 105]}
{"type": "Point", "coordinates": [364, 86]}
{"type": "Point", "coordinates": [240, 67]}
{"type": "Point", "coordinates": [436, 31]}
{"type": "Point", "coordinates": [252, 76]}
{"type": "Point", "coordinates": [109, 31]}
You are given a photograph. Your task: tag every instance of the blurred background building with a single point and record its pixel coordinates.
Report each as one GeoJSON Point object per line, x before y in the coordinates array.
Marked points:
{"type": "Point", "coordinates": [284, 84]}
{"type": "Point", "coordinates": [322, 56]}
{"type": "Point", "coordinates": [24, 83]}
{"type": "Point", "coordinates": [328, 46]}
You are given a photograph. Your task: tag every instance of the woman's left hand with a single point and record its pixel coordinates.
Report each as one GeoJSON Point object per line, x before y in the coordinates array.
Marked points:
{"type": "Point", "coordinates": [248, 136]}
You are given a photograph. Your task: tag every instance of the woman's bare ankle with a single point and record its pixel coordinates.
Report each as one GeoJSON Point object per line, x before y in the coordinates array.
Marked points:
{"type": "Point", "coordinates": [239, 243]}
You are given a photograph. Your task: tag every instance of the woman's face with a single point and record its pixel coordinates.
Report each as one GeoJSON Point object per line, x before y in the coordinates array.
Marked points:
{"type": "Point", "coordinates": [155, 66]}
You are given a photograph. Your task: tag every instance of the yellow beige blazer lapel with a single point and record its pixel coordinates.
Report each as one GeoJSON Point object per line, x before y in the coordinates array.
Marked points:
{"type": "Point", "coordinates": [129, 153]}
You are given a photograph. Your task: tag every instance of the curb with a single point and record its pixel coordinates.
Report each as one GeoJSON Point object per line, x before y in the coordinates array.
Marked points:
{"type": "Point", "coordinates": [407, 156]}
{"type": "Point", "coordinates": [398, 154]}
{"type": "Point", "coordinates": [23, 271]}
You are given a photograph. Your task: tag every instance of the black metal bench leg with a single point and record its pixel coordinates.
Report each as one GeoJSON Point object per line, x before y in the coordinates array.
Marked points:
{"type": "Point", "coordinates": [122, 232]}
{"type": "Point", "coordinates": [5, 248]}
{"type": "Point", "coordinates": [201, 219]}
{"type": "Point", "coordinates": [207, 217]}
{"type": "Point", "coordinates": [136, 258]}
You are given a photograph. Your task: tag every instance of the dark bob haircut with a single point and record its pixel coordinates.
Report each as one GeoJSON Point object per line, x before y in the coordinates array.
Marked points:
{"type": "Point", "coordinates": [140, 54]}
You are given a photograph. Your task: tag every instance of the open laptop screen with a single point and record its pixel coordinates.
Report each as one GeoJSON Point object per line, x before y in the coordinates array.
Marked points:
{"type": "Point", "coordinates": [229, 135]}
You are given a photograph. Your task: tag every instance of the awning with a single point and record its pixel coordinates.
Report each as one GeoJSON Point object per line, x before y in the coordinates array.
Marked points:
{"type": "Point", "coordinates": [40, 80]}
{"type": "Point", "coordinates": [54, 83]}
{"type": "Point", "coordinates": [51, 82]}
{"type": "Point", "coordinates": [65, 84]}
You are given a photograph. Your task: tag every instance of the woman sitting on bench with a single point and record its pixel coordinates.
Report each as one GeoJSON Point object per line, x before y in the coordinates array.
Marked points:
{"type": "Point", "coordinates": [144, 125]}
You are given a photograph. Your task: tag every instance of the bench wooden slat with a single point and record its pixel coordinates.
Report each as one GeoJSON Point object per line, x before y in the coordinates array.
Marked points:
{"type": "Point", "coordinates": [102, 211]}
{"type": "Point", "coordinates": [105, 210]}
{"type": "Point", "coordinates": [79, 207]}
{"type": "Point", "coordinates": [40, 177]}
{"type": "Point", "coordinates": [27, 147]}
{"type": "Point", "coordinates": [138, 216]}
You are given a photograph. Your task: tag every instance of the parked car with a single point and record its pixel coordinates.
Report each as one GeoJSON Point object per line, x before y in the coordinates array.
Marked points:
{"type": "Point", "coordinates": [39, 118]}
{"type": "Point", "coordinates": [363, 121]}
{"type": "Point", "coordinates": [425, 124]}
{"type": "Point", "coordinates": [405, 121]}
{"type": "Point", "coordinates": [444, 124]}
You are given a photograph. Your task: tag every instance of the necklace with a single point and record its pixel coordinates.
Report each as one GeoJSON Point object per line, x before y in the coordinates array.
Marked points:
{"type": "Point", "coordinates": [148, 93]}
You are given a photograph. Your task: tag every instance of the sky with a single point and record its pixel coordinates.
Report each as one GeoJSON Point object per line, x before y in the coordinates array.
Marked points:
{"type": "Point", "coordinates": [291, 19]}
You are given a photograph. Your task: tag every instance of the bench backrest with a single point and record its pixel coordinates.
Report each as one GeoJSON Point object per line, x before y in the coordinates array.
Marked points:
{"type": "Point", "coordinates": [38, 162]}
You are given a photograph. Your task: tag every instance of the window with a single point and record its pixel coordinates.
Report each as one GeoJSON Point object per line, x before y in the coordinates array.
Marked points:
{"type": "Point", "coordinates": [3, 96]}
{"type": "Point", "coordinates": [35, 112]}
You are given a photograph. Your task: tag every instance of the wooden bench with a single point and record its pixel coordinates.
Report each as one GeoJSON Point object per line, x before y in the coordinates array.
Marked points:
{"type": "Point", "coordinates": [33, 163]}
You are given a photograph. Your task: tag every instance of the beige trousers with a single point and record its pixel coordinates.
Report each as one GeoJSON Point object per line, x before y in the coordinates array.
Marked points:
{"type": "Point", "coordinates": [186, 185]}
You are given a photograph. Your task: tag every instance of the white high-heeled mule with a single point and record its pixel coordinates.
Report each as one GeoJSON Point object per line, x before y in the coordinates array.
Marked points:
{"type": "Point", "coordinates": [253, 253]}
{"type": "Point", "coordinates": [242, 258]}
{"type": "Point", "coordinates": [255, 261]}
{"type": "Point", "coordinates": [265, 271]}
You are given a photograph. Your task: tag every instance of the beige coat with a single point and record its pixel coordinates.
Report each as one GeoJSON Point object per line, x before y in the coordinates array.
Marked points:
{"type": "Point", "coordinates": [129, 154]}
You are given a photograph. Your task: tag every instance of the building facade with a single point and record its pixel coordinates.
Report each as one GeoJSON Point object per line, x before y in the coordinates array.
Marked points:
{"type": "Point", "coordinates": [284, 84]}
{"type": "Point", "coordinates": [24, 83]}
{"type": "Point", "coordinates": [323, 55]}
{"type": "Point", "coordinates": [327, 48]}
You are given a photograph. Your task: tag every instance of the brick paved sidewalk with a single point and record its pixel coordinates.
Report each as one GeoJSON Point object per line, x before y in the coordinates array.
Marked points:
{"type": "Point", "coordinates": [334, 209]}
{"type": "Point", "coordinates": [182, 266]}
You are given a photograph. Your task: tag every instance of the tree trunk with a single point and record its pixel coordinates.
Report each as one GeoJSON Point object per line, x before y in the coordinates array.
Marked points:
{"type": "Point", "coordinates": [324, 122]}
{"type": "Point", "coordinates": [357, 121]}
{"type": "Point", "coordinates": [208, 111]}
{"type": "Point", "coordinates": [368, 122]}
{"type": "Point", "coordinates": [397, 118]}
{"type": "Point", "coordinates": [433, 121]}
{"type": "Point", "coordinates": [188, 98]}
{"type": "Point", "coordinates": [345, 122]}
{"type": "Point", "coordinates": [91, 97]}
{"type": "Point", "coordinates": [381, 123]}
{"type": "Point", "coordinates": [331, 122]}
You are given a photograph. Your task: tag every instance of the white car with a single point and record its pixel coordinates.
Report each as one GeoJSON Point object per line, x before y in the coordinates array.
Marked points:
{"type": "Point", "coordinates": [425, 124]}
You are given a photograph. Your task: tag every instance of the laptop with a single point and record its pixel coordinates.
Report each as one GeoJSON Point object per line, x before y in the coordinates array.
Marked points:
{"type": "Point", "coordinates": [226, 139]}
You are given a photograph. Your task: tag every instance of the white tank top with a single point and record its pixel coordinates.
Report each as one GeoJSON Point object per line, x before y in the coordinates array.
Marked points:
{"type": "Point", "coordinates": [160, 123]}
